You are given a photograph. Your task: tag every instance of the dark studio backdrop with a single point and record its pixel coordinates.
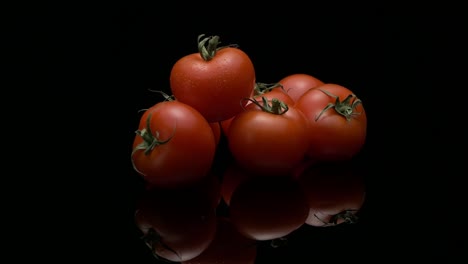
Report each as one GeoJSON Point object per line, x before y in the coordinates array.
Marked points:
{"type": "Point", "coordinates": [375, 53]}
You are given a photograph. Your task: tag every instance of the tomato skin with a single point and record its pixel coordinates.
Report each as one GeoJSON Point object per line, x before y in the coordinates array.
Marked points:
{"type": "Point", "coordinates": [183, 220]}
{"type": "Point", "coordinates": [228, 247]}
{"type": "Point", "coordinates": [265, 208]}
{"type": "Point", "coordinates": [215, 87]}
{"type": "Point", "coordinates": [189, 135]}
{"type": "Point", "coordinates": [331, 189]}
{"type": "Point", "coordinates": [332, 137]}
{"type": "Point", "coordinates": [297, 84]}
{"type": "Point", "coordinates": [266, 143]}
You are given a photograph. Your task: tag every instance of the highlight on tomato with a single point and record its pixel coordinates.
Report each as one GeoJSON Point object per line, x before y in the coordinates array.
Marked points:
{"type": "Point", "coordinates": [228, 247]}
{"type": "Point", "coordinates": [335, 193]}
{"type": "Point", "coordinates": [268, 208]}
{"type": "Point", "coordinates": [178, 225]}
{"type": "Point", "coordinates": [268, 138]}
{"type": "Point", "coordinates": [337, 122]}
{"type": "Point", "coordinates": [174, 145]}
{"type": "Point", "coordinates": [214, 80]}
{"type": "Point", "coordinates": [297, 84]}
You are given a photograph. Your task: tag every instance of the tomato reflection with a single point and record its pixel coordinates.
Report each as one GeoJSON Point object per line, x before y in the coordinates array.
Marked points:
{"type": "Point", "coordinates": [186, 225]}
{"type": "Point", "coordinates": [335, 193]}
{"type": "Point", "coordinates": [228, 247]}
{"type": "Point", "coordinates": [267, 208]}
{"type": "Point", "coordinates": [178, 225]}
{"type": "Point", "coordinates": [233, 176]}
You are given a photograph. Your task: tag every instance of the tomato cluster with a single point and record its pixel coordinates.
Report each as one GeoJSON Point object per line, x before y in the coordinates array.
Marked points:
{"type": "Point", "coordinates": [285, 146]}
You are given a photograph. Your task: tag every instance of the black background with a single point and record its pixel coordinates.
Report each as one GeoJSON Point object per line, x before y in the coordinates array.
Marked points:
{"type": "Point", "coordinates": [384, 56]}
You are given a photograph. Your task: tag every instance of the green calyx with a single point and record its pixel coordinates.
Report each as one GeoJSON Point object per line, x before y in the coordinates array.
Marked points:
{"type": "Point", "coordinates": [152, 239]}
{"type": "Point", "coordinates": [275, 107]}
{"type": "Point", "coordinates": [207, 47]}
{"type": "Point", "coordinates": [262, 88]}
{"type": "Point", "coordinates": [348, 216]}
{"type": "Point", "coordinates": [165, 95]}
{"type": "Point", "coordinates": [345, 108]}
{"type": "Point", "coordinates": [150, 141]}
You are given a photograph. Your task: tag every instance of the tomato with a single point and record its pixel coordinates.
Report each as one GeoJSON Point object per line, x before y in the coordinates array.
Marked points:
{"type": "Point", "coordinates": [337, 132]}
{"type": "Point", "coordinates": [214, 80]}
{"type": "Point", "coordinates": [228, 247]}
{"type": "Point", "coordinates": [266, 208]}
{"type": "Point", "coordinates": [216, 127]}
{"type": "Point", "coordinates": [269, 95]}
{"type": "Point", "coordinates": [168, 133]}
{"type": "Point", "coordinates": [271, 140]}
{"type": "Point", "coordinates": [178, 225]}
{"type": "Point", "coordinates": [297, 84]}
{"type": "Point", "coordinates": [233, 176]}
{"type": "Point", "coordinates": [335, 193]}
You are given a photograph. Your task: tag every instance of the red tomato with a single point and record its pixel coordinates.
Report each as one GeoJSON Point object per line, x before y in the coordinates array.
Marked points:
{"type": "Point", "coordinates": [297, 84]}
{"type": "Point", "coordinates": [178, 225]}
{"type": "Point", "coordinates": [214, 80]}
{"type": "Point", "coordinates": [335, 194]}
{"type": "Point", "coordinates": [266, 208]}
{"type": "Point", "coordinates": [228, 247]}
{"type": "Point", "coordinates": [337, 127]}
{"type": "Point", "coordinates": [269, 95]}
{"type": "Point", "coordinates": [216, 127]}
{"type": "Point", "coordinates": [174, 145]}
{"type": "Point", "coordinates": [268, 142]}
{"type": "Point", "coordinates": [233, 176]}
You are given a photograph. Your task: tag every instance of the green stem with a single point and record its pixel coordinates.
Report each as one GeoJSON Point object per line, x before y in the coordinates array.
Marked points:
{"type": "Point", "coordinates": [262, 88]}
{"type": "Point", "coordinates": [150, 141]}
{"type": "Point", "coordinates": [165, 95]}
{"type": "Point", "coordinates": [276, 107]}
{"type": "Point", "coordinates": [207, 47]}
{"type": "Point", "coordinates": [346, 108]}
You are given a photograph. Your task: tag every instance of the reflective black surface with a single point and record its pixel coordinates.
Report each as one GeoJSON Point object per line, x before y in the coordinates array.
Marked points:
{"type": "Point", "coordinates": [130, 50]}
{"type": "Point", "coordinates": [264, 215]}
